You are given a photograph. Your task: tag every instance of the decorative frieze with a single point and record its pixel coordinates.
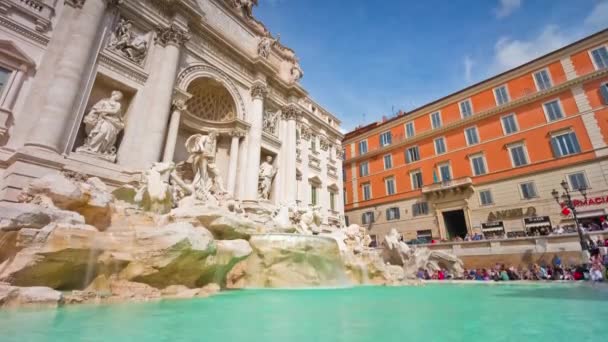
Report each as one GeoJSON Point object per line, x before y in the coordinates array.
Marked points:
{"type": "Point", "coordinates": [271, 119]}
{"type": "Point", "coordinates": [172, 35]}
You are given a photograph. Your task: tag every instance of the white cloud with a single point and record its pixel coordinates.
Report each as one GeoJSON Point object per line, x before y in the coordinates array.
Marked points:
{"type": "Point", "coordinates": [509, 53]}
{"type": "Point", "coordinates": [468, 68]}
{"type": "Point", "coordinates": [507, 7]}
{"type": "Point", "coordinates": [598, 18]}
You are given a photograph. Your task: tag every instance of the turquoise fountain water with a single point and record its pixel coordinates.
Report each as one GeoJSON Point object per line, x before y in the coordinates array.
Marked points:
{"type": "Point", "coordinates": [556, 312]}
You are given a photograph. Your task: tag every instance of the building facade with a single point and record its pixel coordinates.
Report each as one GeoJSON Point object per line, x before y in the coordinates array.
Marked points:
{"type": "Point", "coordinates": [486, 159]}
{"type": "Point", "coordinates": [109, 88]}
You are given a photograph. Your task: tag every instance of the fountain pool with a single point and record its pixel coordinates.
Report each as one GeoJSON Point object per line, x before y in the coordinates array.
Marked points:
{"type": "Point", "coordinates": [436, 312]}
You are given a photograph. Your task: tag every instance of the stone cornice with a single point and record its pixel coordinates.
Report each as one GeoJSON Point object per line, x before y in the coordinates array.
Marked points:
{"type": "Point", "coordinates": [118, 64]}
{"type": "Point", "coordinates": [530, 67]}
{"type": "Point", "coordinates": [25, 31]}
{"type": "Point", "coordinates": [472, 119]}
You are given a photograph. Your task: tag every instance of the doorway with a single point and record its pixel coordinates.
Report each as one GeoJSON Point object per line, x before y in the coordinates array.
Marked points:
{"type": "Point", "coordinates": [455, 223]}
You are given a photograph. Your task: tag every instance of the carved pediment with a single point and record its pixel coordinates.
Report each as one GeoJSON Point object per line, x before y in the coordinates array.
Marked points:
{"type": "Point", "coordinates": [15, 55]}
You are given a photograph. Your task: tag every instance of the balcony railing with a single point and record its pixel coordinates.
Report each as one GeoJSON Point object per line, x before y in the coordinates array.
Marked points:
{"type": "Point", "coordinates": [447, 184]}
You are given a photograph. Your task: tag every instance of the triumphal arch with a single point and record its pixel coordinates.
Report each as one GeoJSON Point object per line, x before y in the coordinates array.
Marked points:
{"type": "Point", "coordinates": [111, 88]}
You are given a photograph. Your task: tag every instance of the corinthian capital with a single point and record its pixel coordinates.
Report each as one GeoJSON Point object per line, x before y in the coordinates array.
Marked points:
{"type": "Point", "coordinates": [171, 35]}
{"type": "Point", "coordinates": [259, 91]}
{"type": "Point", "coordinates": [290, 112]}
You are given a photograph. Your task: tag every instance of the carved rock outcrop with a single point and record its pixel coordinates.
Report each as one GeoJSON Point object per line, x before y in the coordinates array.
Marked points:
{"type": "Point", "coordinates": [91, 198]}
{"type": "Point", "coordinates": [288, 261]}
{"type": "Point", "coordinates": [38, 297]}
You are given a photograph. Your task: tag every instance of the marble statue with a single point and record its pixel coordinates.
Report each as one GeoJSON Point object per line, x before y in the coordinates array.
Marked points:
{"type": "Point", "coordinates": [266, 176]}
{"type": "Point", "coordinates": [128, 43]}
{"type": "Point", "coordinates": [309, 221]}
{"type": "Point", "coordinates": [270, 122]}
{"type": "Point", "coordinates": [296, 72]}
{"type": "Point", "coordinates": [246, 7]}
{"type": "Point", "coordinates": [156, 193]}
{"type": "Point", "coordinates": [202, 150]}
{"type": "Point", "coordinates": [103, 123]}
{"type": "Point", "coordinates": [265, 45]}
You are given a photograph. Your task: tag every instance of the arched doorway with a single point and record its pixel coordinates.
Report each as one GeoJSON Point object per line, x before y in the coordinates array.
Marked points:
{"type": "Point", "coordinates": [211, 107]}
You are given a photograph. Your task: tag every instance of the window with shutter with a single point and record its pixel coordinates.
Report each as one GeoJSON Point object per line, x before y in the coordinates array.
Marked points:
{"type": "Point", "coordinates": [485, 197]}
{"type": "Point", "coordinates": [565, 144]}
{"type": "Point", "coordinates": [578, 181]}
{"type": "Point", "coordinates": [604, 92]}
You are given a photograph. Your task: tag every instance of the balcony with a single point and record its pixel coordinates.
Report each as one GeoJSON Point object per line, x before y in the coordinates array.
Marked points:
{"type": "Point", "coordinates": [41, 11]}
{"type": "Point", "coordinates": [450, 186]}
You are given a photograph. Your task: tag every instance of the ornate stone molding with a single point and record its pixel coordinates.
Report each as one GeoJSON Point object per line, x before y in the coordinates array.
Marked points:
{"type": "Point", "coordinates": [237, 133]}
{"type": "Point", "coordinates": [305, 133]}
{"type": "Point", "coordinates": [172, 35]}
{"type": "Point", "coordinates": [323, 143]}
{"type": "Point", "coordinates": [24, 31]}
{"type": "Point", "coordinates": [180, 98]}
{"type": "Point", "coordinates": [75, 3]}
{"type": "Point", "coordinates": [111, 62]}
{"type": "Point", "coordinates": [290, 112]}
{"type": "Point", "coordinates": [259, 91]}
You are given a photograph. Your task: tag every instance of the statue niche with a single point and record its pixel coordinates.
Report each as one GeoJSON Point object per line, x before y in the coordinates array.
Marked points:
{"type": "Point", "coordinates": [103, 123]}
{"type": "Point", "coordinates": [211, 101]}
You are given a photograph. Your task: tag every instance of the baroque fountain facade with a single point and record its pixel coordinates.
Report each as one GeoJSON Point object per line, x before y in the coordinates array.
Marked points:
{"type": "Point", "coordinates": [165, 148]}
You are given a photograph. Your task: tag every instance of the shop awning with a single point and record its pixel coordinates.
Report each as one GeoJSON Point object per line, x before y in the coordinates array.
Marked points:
{"type": "Point", "coordinates": [538, 225]}
{"type": "Point", "coordinates": [591, 213]}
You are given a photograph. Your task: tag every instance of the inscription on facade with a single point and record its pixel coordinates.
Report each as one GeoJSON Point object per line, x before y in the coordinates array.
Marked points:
{"type": "Point", "coordinates": [511, 214]}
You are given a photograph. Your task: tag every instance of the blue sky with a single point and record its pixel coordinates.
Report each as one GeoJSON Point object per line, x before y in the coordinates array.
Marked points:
{"type": "Point", "coordinates": [364, 58]}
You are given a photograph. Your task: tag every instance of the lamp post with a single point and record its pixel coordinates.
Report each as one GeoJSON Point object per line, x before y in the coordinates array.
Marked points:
{"type": "Point", "coordinates": [567, 201]}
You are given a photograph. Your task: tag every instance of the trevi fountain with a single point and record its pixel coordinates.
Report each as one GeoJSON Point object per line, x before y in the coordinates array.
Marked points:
{"type": "Point", "coordinates": [162, 166]}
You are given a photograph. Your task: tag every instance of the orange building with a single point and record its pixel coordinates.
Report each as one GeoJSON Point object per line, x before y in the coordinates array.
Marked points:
{"type": "Point", "coordinates": [486, 159]}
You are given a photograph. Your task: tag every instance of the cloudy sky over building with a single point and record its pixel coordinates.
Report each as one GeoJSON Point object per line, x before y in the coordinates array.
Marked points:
{"type": "Point", "coordinates": [364, 59]}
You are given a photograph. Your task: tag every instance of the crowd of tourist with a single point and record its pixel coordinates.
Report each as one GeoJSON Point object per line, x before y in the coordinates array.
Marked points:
{"type": "Point", "coordinates": [596, 270]}
{"type": "Point", "coordinates": [543, 231]}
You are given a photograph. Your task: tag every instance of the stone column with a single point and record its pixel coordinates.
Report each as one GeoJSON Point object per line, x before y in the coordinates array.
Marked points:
{"type": "Point", "coordinates": [304, 150]}
{"type": "Point", "coordinates": [290, 114]}
{"type": "Point", "coordinates": [179, 105]}
{"type": "Point", "coordinates": [149, 119]}
{"type": "Point", "coordinates": [233, 163]}
{"type": "Point", "coordinates": [50, 130]}
{"type": "Point", "coordinates": [258, 93]}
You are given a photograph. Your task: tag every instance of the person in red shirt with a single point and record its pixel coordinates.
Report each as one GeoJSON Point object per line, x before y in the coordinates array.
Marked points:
{"type": "Point", "coordinates": [440, 275]}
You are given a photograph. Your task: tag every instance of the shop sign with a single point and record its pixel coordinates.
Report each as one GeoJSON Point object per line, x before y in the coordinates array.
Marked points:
{"type": "Point", "coordinates": [511, 214]}
{"type": "Point", "coordinates": [589, 201]}
{"type": "Point", "coordinates": [490, 225]}
{"type": "Point", "coordinates": [538, 219]}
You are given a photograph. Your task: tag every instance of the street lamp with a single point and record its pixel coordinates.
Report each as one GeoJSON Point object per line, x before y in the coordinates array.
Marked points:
{"type": "Point", "coordinates": [567, 202]}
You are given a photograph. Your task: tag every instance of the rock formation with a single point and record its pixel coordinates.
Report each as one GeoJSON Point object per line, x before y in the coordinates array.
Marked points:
{"type": "Point", "coordinates": [72, 234]}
